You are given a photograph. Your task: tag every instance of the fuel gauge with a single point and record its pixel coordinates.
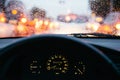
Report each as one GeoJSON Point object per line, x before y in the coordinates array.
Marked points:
{"type": "Point", "coordinates": [79, 68]}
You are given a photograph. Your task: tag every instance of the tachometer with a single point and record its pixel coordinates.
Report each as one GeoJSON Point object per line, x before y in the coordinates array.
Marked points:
{"type": "Point", "coordinates": [57, 64]}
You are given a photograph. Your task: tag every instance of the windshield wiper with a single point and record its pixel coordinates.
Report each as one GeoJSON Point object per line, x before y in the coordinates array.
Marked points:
{"type": "Point", "coordinates": [93, 35]}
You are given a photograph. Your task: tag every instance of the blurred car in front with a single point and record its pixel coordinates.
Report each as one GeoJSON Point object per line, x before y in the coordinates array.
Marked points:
{"type": "Point", "coordinates": [72, 23]}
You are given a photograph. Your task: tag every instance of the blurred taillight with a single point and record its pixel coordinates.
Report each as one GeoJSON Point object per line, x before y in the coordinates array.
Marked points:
{"type": "Point", "coordinates": [37, 25]}
{"type": "Point", "coordinates": [31, 23]}
{"type": "Point", "coordinates": [105, 29]}
{"type": "Point", "coordinates": [2, 19]}
{"type": "Point", "coordinates": [46, 22]}
{"type": "Point", "coordinates": [20, 28]}
{"type": "Point", "coordinates": [41, 22]}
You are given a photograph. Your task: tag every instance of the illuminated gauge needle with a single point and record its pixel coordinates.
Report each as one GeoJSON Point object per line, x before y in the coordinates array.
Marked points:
{"type": "Point", "coordinates": [49, 68]}
{"type": "Point", "coordinates": [53, 67]}
{"type": "Point", "coordinates": [80, 71]}
{"type": "Point", "coordinates": [57, 62]}
{"type": "Point", "coordinates": [33, 67]}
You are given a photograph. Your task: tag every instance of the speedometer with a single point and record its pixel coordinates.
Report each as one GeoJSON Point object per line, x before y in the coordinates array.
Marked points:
{"type": "Point", "coordinates": [58, 64]}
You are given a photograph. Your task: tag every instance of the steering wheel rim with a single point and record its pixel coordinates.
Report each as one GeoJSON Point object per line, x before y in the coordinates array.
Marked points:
{"type": "Point", "coordinates": [108, 65]}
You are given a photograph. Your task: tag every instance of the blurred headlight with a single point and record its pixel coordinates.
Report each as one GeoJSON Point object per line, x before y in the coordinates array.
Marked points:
{"type": "Point", "coordinates": [41, 22]}
{"type": "Point", "coordinates": [51, 25]}
{"type": "Point", "coordinates": [118, 26]}
{"type": "Point", "coordinates": [23, 20]}
{"type": "Point", "coordinates": [67, 18]}
{"type": "Point", "coordinates": [93, 26]}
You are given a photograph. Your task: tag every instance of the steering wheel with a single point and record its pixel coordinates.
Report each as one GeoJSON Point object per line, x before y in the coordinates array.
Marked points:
{"type": "Point", "coordinates": [16, 58]}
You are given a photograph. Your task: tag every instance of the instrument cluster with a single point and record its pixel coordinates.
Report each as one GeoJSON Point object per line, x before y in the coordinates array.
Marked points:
{"type": "Point", "coordinates": [55, 67]}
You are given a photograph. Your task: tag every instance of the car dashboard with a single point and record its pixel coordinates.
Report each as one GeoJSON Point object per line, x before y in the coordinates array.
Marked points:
{"type": "Point", "coordinates": [62, 62]}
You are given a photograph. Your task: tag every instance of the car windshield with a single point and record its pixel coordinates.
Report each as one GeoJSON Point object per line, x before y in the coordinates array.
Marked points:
{"type": "Point", "coordinates": [21, 18]}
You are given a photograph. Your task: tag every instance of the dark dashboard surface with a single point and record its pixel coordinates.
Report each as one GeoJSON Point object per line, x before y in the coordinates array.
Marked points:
{"type": "Point", "coordinates": [110, 43]}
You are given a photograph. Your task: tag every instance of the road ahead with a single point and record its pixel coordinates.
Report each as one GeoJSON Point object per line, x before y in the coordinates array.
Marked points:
{"type": "Point", "coordinates": [55, 7]}
{"type": "Point", "coordinates": [68, 28]}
